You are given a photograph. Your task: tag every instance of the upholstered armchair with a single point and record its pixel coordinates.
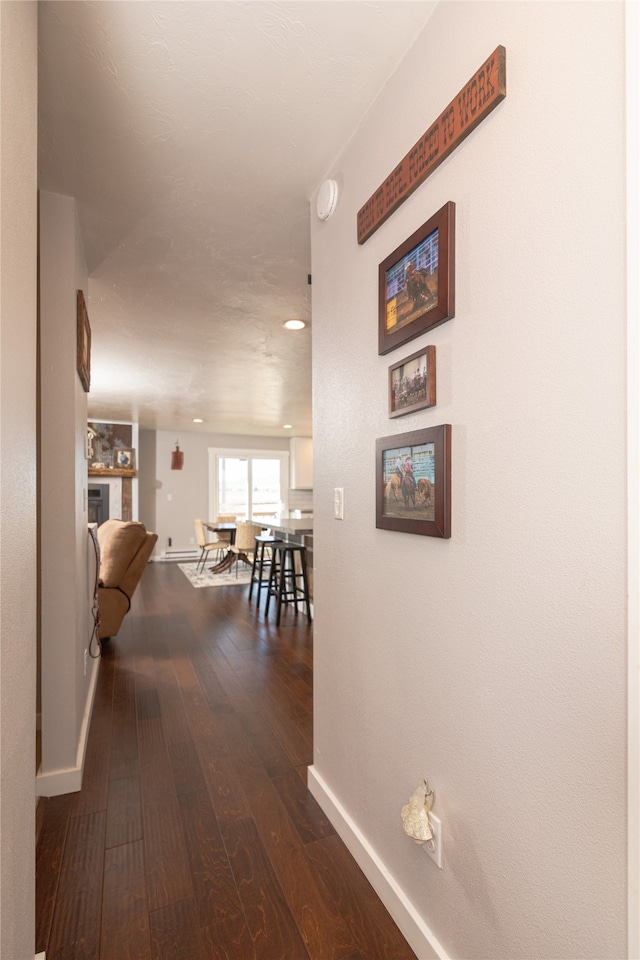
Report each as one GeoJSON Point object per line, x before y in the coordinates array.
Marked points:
{"type": "Point", "coordinates": [125, 547]}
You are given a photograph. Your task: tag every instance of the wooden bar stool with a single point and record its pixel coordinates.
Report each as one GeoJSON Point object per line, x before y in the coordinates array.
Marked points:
{"type": "Point", "coordinates": [262, 560]}
{"type": "Point", "coordinates": [288, 579]}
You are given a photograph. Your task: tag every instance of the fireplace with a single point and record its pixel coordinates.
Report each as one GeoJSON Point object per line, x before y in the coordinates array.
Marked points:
{"type": "Point", "coordinates": [98, 502]}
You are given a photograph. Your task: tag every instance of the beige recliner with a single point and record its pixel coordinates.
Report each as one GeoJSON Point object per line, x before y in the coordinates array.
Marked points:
{"type": "Point", "coordinates": [125, 547]}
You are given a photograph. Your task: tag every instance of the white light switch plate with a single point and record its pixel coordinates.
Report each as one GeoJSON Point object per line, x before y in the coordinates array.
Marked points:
{"type": "Point", "coordinates": [338, 503]}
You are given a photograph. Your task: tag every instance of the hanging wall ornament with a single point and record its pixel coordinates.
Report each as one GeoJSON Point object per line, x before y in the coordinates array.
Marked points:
{"type": "Point", "coordinates": [177, 458]}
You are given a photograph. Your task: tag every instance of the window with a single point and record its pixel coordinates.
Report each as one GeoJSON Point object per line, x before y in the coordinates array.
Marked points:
{"type": "Point", "coordinates": [249, 484]}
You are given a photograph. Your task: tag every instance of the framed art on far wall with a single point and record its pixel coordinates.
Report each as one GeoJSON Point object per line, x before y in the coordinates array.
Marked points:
{"type": "Point", "coordinates": [124, 458]}
{"type": "Point", "coordinates": [83, 337]}
{"type": "Point", "coordinates": [413, 482]}
{"type": "Point", "coordinates": [416, 283]}
{"type": "Point", "coordinates": [412, 383]}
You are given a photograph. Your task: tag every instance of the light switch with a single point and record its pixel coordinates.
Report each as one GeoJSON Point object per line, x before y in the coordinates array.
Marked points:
{"type": "Point", "coordinates": [338, 503]}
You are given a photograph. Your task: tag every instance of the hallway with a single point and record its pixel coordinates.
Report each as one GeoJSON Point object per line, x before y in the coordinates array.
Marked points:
{"type": "Point", "coordinates": [194, 836]}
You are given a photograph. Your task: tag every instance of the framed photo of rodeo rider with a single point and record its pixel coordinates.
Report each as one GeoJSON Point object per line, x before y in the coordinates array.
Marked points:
{"type": "Point", "coordinates": [416, 283]}
{"type": "Point", "coordinates": [413, 482]}
{"type": "Point", "coordinates": [412, 383]}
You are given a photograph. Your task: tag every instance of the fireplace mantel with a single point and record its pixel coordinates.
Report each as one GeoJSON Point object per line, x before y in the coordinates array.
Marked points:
{"type": "Point", "coordinates": [112, 472]}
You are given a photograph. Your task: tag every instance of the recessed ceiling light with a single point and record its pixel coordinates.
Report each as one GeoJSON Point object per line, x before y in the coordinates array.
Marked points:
{"type": "Point", "coordinates": [294, 324]}
{"type": "Point", "coordinates": [287, 426]}
{"type": "Point", "coordinates": [198, 420]}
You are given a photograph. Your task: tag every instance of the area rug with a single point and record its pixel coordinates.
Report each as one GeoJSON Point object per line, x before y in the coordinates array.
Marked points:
{"type": "Point", "coordinates": [208, 579]}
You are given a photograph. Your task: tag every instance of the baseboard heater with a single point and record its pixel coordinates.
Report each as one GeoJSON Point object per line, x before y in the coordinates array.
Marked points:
{"type": "Point", "coordinates": [179, 554]}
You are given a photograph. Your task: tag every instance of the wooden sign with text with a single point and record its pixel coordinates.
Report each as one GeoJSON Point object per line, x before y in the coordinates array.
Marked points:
{"type": "Point", "coordinates": [475, 101]}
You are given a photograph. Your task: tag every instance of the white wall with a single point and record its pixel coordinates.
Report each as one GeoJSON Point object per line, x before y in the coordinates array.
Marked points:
{"type": "Point", "coordinates": [18, 198]}
{"type": "Point", "coordinates": [492, 663]}
{"type": "Point", "coordinates": [66, 629]}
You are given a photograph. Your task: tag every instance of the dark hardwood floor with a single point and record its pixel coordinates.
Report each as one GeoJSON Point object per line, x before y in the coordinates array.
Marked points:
{"type": "Point", "coordinates": [194, 835]}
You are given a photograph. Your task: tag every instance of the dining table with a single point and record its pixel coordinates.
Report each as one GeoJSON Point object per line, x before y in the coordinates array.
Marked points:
{"type": "Point", "coordinates": [229, 558]}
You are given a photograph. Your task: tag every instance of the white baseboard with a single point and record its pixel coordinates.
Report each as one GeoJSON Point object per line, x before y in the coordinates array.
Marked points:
{"type": "Point", "coordinates": [69, 780]}
{"type": "Point", "coordinates": [172, 553]}
{"type": "Point", "coordinates": [418, 935]}
{"type": "Point", "coordinates": [40, 956]}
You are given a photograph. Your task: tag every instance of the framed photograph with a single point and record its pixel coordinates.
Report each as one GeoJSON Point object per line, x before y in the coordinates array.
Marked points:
{"type": "Point", "coordinates": [83, 360]}
{"type": "Point", "coordinates": [124, 458]}
{"type": "Point", "coordinates": [416, 283]}
{"type": "Point", "coordinates": [412, 383]}
{"type": "Point", "coordinates": [413, 482]}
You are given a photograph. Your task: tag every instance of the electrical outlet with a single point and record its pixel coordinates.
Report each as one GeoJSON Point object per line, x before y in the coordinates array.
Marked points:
{"type": "Point", "coordinates": [192, 540]}
{"type": "Point", "coordinates": [86, 660]}
{"type": "Point", "coordinates": [434, 847]}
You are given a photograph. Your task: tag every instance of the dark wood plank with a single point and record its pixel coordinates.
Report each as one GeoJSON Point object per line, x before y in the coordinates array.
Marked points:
{"type": "Point", "coordinates": [185, 765]}
{"type": "Point", "coordinates": [316, 913]}
{"type": "Point", "coordinates": [374, 932]}
{"type": "Point", "coordinates": [297, 746]}
{"type": "Point", "coordinates": [229, 940]}
{"type": "Point", "coordinates": [55, 813]}
{"type": "Point", "coordinates": [271, 925]}
{"type": "Point", "coordinates": [175, 933]}
{"type": "Point", "coordinates": [216, 896]}
{"type": "Point", "coordinates": [168, 876]}
{"type": "Point", "coordinates": [125, 907]}
{"type": "Point", "coordinates": [124, 738]}
{"type": "Point", "coordinates": [308, 819]}
{"type": "Point", "coordinates": [222, 781]}
{"type": "Point", "coordinates": [75, 931]}
{"type": "Point", "coordinates": [124, 812]}
{"type": "Point", "coordinates": [156, 775]}
{"type": "Point", "coordinates": [262, 738]}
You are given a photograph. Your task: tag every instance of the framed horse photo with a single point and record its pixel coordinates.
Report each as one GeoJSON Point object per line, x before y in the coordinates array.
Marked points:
{"type": "Point", "coordinates": [412, 383]}
{"type": "Point", "coordinates": [413, 482]}
{"type": "Point", "coordinates": [416, 283]}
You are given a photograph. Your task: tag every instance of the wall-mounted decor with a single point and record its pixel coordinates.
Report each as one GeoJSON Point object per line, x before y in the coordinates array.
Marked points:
{"type": "Point", "coordinates": [412, 383]}
{"type": "Point", "coordinates": [177, 458]}
{"type": "Point", "coordinates": [83, 336]}
{"type": "Point", "coordinates": [416, 283]}
{"type": "Point", "coordinates": [124, 459]}
{"type": "Point", "coordinates": [413, 482]}
{"type": "Point", "coordinates": [476, 100]}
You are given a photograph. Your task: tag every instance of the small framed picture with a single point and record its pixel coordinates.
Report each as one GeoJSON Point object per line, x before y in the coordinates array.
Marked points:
{"type": "Point", "coordinates": [412, 383]}
{"type": "Point", "coordinates": [83, 337]}
{"type": "Point", "coordinates": [416, 283]}
{"type": "Point", "coordinates": [413, 482]}
{"type": "Point", "coordinates": [124, 459]}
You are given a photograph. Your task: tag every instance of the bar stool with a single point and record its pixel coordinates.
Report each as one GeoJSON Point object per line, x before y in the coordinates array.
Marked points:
{"type": "Point", "coordinates": [288, 580]}
{"type": "Point", "coordinates": [262, 559]}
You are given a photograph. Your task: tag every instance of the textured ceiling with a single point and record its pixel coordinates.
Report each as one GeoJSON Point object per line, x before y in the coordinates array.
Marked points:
{"type": "Point", "coordinates": [192, 135]}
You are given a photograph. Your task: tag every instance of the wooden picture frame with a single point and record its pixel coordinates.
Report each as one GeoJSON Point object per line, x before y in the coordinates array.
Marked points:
{"type": "Point", "coordinates": [426, 511]}
{"type": "Point", "coordinates": [412, 383]}
{"type": "Point", "coordinates": [83, 338]}
{"type": "Point", "coordinates": [416, 283]}
{"type": "Point", "coordinates": [124, 458]}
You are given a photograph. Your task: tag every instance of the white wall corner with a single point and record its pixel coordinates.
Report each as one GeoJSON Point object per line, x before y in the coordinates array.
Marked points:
{"type": "Point", "coordinates": [419, 936]}
{"type": "Point", "coordinates": [56, 782]}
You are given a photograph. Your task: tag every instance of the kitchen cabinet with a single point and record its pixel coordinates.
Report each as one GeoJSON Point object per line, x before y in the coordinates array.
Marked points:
{"type": "Point", "coordinates": [301, 463]}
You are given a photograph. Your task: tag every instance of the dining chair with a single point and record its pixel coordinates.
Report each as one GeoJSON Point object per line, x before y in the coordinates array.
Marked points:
{"type": "Point", "coordinates": [224, 535]}
{"type": "Point", "coordinates": [206, 546]}
{"type": "Point", "coordinates": [245, 542]}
